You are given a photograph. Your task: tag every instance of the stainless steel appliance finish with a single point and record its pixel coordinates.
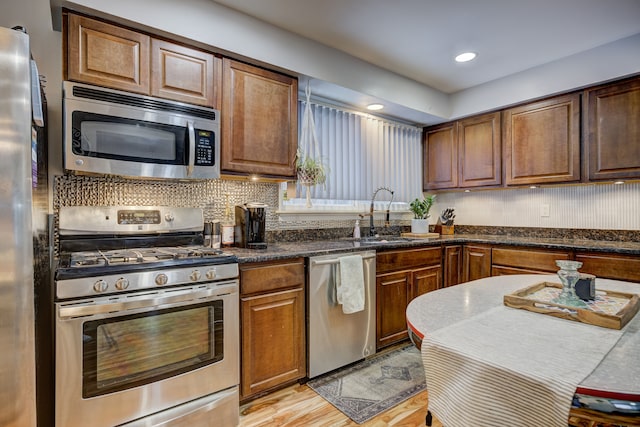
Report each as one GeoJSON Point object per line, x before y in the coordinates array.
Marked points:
{"type": "Point", "coordinates": [17, 360]}
{"type": "Point", "coordinates": [337, 339]}
{"type": "Point", "coordinates": [113, 132]}
{"type": "Point", "coordinates": [144, 335]}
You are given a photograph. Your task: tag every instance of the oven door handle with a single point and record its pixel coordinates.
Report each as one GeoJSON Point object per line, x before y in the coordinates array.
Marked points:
{"type": "Point", "coordinates": [192, 148]}
{"type": "Point", "coordinates": [139, 302]}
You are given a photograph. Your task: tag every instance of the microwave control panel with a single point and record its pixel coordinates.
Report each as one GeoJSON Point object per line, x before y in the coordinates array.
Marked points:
{"type": "Point", "coordinates": [205, 141]}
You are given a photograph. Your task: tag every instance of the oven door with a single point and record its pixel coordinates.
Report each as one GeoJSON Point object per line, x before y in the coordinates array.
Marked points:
{"type": "Point", "coordinates": [124, 357]}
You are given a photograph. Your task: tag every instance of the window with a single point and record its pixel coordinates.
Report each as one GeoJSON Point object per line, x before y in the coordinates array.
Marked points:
{"type": "Point", "coordinates": [363, 153]}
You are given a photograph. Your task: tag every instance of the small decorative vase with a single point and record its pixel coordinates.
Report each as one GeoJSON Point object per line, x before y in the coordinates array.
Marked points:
{"type": "Point", "coordinates": [419, 226]}
{"type": "Point", "coordinates": [569, 275]}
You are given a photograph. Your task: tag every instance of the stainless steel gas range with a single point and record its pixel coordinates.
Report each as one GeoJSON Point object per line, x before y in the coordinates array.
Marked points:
{"type": "Point", "coordinates": [146, 320]}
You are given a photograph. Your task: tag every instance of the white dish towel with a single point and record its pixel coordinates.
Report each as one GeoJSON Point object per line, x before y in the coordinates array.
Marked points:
{"type": "Point", "coordinates": [350, 284]}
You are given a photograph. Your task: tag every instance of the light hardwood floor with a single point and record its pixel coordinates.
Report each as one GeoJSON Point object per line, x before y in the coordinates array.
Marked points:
{"type": "Point", "coordinates": [298, 405]}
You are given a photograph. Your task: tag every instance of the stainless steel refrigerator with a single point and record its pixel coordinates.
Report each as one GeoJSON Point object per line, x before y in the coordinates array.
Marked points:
{"type": "Point", "coordinates": [17, 169]}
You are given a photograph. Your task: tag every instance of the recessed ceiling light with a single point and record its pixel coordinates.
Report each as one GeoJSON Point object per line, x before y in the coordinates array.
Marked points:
{"type": "Point", "coordinates": [619, 182]}
{"type": "Point", "coordinates": [375, 107]}
{"type": "Point", "coordinates": [465, 57]}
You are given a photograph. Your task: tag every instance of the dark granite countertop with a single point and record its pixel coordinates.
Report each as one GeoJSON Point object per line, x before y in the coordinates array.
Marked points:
{"type": "Point", "coordinates": [276, 251]}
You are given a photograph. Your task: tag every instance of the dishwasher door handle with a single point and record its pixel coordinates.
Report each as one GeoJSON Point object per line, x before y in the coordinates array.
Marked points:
{"type": "Point", "coordinates": [336, 260]}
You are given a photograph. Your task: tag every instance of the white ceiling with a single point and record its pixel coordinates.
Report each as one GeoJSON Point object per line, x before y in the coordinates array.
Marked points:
{"type": "Point", "coordinates": [418, 39]}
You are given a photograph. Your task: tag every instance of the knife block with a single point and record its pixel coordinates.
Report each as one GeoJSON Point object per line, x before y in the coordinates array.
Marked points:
{"type": "Point", "coordinates": [443, 229]}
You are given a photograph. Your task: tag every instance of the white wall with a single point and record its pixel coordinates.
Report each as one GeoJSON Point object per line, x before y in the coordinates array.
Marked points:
{"type": "Point", "coordinates": [587, 68]}
{"type": "Point", "coordinates": [590, 206]}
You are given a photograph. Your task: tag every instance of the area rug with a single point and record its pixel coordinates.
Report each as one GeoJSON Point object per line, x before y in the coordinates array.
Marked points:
{"type": "Point", "coordinates": [364, 390]}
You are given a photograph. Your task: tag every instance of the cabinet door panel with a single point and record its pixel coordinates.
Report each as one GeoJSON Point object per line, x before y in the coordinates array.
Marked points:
{"type": "Point", "coordinates": [613, 137]}
{"type": "Point", "coordinates": [425, 280]}
{"type": "Point", "coordinates": [260, 121]}
{"type": "Point", "coordinates": [271, 276]}
{"type": "Point", "coordinates": [441, 157]}
{"type": "Point", "coordinates": [479, 151]}
{"type": "Point", "coordinates": [477, 262]}
{"type": "Point", "coordinates": [542, 141]}
{"type": "Point", "coordinates": [452, 265]}
{"type": "Point", "coordinates": [273, 350]}
{"type": "Point", "coordinates": [407, 259]}
{"type": "Point", "coordinates": [106, 55]}
{"type": "Point", "coordinates": [531, 259]}
{"type": "Point", "coordinates": [184, 74]}
{"type": "Point", "coordinates": [392, 296]}
{"type": "Point", "coordinates": [611, 266]}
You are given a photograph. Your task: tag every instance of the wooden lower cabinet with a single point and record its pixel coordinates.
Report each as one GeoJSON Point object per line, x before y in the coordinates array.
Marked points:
{"type": "Point", "coordinates": [272, 311]}
{"type": "Point", "coordinates": [452, 265]}
{"type": "Point", "coordinates": [476, 262]}
{"type": "Point", "coordinates": [402, 275]}
{"type": "Point", "coordinates": [610, 266]}
{"type": "Point", "coordinates": [526, 261]}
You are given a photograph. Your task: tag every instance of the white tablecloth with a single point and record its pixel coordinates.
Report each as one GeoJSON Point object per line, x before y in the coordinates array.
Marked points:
{"type": "Point", "coordinates": [510, 367]}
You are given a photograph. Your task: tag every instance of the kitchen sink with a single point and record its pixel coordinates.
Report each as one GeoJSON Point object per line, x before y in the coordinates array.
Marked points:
{"type": "Point", "coordinates": [382, 240]}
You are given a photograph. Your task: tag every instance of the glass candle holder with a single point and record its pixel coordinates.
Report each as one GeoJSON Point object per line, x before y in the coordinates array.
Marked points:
{"type": "Point", "coordinates": [569, 275]}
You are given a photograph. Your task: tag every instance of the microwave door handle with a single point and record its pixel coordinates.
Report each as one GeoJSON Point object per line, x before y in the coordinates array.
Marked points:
{"type": "Point", "coordinates": [192, 148]}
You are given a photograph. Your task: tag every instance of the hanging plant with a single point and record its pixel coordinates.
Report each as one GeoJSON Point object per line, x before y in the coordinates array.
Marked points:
{"type": "Point", "coordinates": [309, 168]}
{"type": "Point", "coordinates": [310, 171]}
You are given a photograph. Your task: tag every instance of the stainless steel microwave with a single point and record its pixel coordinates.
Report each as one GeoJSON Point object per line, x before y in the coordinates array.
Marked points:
{"type": "Point", "coordinates": [119, 133]}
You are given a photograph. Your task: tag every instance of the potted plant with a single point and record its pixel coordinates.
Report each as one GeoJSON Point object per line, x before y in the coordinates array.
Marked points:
{"type": "Point", "coordinates": [420, 209]}
{"type": "Point", "coordinates": [310, 172]}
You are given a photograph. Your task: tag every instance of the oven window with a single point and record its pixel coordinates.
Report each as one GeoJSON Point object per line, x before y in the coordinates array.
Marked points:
{"type": "Point", "coordinates": [133, 350]}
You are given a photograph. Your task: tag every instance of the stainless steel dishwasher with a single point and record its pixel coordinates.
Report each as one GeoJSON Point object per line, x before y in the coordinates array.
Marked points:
{"type": "Point", "coordinates": [337, 339]}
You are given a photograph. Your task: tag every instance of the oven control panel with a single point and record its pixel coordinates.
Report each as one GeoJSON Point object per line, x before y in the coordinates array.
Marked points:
{"type": "Point", "coordinates": [138, 217]}
{"type": "Point", "coordinates": [144, 280]}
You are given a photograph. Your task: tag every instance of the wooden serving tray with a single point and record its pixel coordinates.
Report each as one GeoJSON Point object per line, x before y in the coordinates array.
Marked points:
{"type": "Point", "coordinates": [420, 235]}
{"type": "Point", "coordinates": [610, 309]}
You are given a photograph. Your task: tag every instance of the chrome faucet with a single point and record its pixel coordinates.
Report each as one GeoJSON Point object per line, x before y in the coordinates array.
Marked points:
{"type": "Point", "coordinates": [372, 229]}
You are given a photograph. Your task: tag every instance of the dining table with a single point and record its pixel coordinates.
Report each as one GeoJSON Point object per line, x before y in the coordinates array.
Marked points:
{"type": "Point", "coordinates": [488, 364]}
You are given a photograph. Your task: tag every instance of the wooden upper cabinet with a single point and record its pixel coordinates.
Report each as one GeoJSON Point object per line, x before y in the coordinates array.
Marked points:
{"type": "Point", "coordinates": [441, 157]}
{"type": "Point", "coordinates": [260, 121]}
{"type": "Point", "coordinates": [184, 74]}
{"type": "Point", "coordinates": [106, 55]}
{"type": "Point", "coordinates": [464, 154]}
{"type": "Point", "coordinates": [612, 136]}
{"type": "Point", "coordinates": [542, 141]}
{"type": "Point", "coordinates": [479, 151]}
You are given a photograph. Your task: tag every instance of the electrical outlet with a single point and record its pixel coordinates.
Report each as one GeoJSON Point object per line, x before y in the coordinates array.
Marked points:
{"type": "Point", "coordinates": [544, 210]}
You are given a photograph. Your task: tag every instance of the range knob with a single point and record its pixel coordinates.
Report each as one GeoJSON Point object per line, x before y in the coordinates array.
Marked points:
{"type": "Point", "coordinates": [195, 275]}
{"type": "Point", "coordinates": [161, 279]}
{"type": "Point", "coordinates": [122, 284]}
{"type": "Point", "coordinates": [211, 274]}
{"type": "Point", "coordinates": [169, 217]}
{"type": "Point", "coordinates": [100, 286]}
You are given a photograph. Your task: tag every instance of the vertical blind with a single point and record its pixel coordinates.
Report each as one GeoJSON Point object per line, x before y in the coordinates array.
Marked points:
{"type": "Point", "coordinates": [364, 153]}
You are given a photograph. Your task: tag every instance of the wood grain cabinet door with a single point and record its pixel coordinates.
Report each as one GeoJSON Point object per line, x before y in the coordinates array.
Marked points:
{"type": "Point", "coordinates": [479, 151]}
{"type": "Point", "coordinates": [184, 74]}
{"type": "Point", "coordinates": [441, 157]}
{"type": "Point", "coordinates": [273, 345]}
{"type": "Point", "coordinates": [476, 262]}
{"type": "Point", "coordinates": [259, 121]}
{"type": "Point", "coordinates": [392, 297]}
{"type": "Point", "coordinates": [613, 131]}
{"type": "Point", "coordinates": [542, 141]}
{"type": "Point", "coordinates": [452, 265]}
{"type": "Point", "coordinates": [106, 55]}
{"type": "Point", "coordinates": [425, 280]}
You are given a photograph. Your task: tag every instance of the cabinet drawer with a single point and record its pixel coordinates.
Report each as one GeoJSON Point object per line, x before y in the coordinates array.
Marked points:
{"type": "Point", "coordinates": [610, 266]}
{"type": "Point", "coordinates": [271, 276]}
{"type": "Point", "coordinates": [408, 259]}
{"type": "Point", "coordinates": [528, 259]}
